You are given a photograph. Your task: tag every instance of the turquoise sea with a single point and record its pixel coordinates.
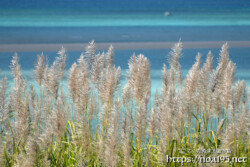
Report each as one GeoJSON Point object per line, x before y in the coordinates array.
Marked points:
{"type": "Point", "coordinates": [80, 21]}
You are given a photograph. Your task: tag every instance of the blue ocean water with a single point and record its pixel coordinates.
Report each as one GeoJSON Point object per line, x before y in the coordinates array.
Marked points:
{"type": "Point", "coordinates": [20, 35]}
{"type": "Point", "coordinates": [70, 21]}
{"type": "Point", "coordinates": [81, 13]}
{"type": "Point", "coordinates": [76, 21]}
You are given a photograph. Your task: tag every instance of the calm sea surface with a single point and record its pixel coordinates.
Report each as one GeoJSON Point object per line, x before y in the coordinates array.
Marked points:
{"type": "Point", "coordinates": [76, 21]}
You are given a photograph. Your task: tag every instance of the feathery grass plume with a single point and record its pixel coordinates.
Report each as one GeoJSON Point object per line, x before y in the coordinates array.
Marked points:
{"type": "Point", "coordinates": [205, 94]}
{"type": "Point", "coordinates": [165, 78]}
{"type": "Point", "coordinates": [47, 131]}
{"type": "Point", "coordinates": [61, 61]}
{"type": "Point", "coordinates": [242, 116]}
{"type": "Point", "coordinates": [19, 105]}
{"type": "Point", "coordinates": [79, 87]}
{"type": "Point", "coordinates": [245, 119]}
{"type": "Point", "coordinates": [216, 102]}
{"type": "Point", "coordinates": [238, 96]}
{"type": "Point", "coordinates": [217, 78]}
{"type": "Point", "coordinates": [110, 55]}
{"type": "Point", "coordinates": [153, 123]}
{"type": "Point", "coordinates": [46, 79]}
{"type": "Point", "coordinates": [3, 101]}
{"type": "Point", "coordinates": [22, 123]}
{"type": "Point", "coordinates": [15, 67]}
{"type": "Point", "coordinates": [224, 56]}
{"type": "Point", "coordinates": [205, 75]}
{"type": "Point", "coordinates": [178, 114]}
{"type": "Point", "coordinates": [228, 137]}
{"type": "Point", "coordinates": [128, 107]}
{"type": "Point", "coordinates": [90, 52]}
{"type": "Point", "coordinates": [109, 82]}
{"type": "Point", "coordinates": [111, 157]}
{"type": "Point", "coordinates": [228, 80]}
{"type": "Point", "coordinates": [141, 122]}
{"type": "Point", "coordinates": [162, 147]}
{"type": "Point", "coordinates": [60, 116]}
{"type": "Point", "coordinates": [84, 131]}
{"type": "Point", "coordinates": [105, 62]}
{"type": "Point", "coordinates": [33, 97]}
{"type": "Point", "coordinates": [154, 120]}
{"type": "Point", "coordinates": [125, 134]}
{"type": "Point", "coordinates": [222, 65]}
{"type": "Point", "coordinates": [175, 67]}
{"type": "Point", "coordinates": [93, 107]}
{"type": "Point", "coordinates": [126, 95]}
{"type": "Point", "coordinates": [83, 86]}
{"type": "Point", "coordinates": [171, 120]}
{"type": "Point", "coordinates": [73, 81]}
{"type": "Point", "coordinates": [46, 104]}
{"type": "Point", "coordinates": [168, 112]}
{"type": "Point", "coordinates": [139, 82]}
{"type": "Point", "coordinates": [79, 82]}
{"type": "Point", "coordinates": [191, 84]}
{"type": "Point", "coordinates": [53, 80]}
{"type": "Point", "coordinates": [55, 73]}
{"type": "Point", "coordinates": [102, 132]}
{"type": "Point", "coordinates": [157, 100]}
{"type": "Point", "coordinates": [139, 77]}
{"type": "Point", "coordinates": [37, 130]}
{"type": "Point", "coordinates": [36, 155]}
{"type": "Point", "coordinates": [83, 65]}
{"type": "Point", "coordinates": [39, 116]}
{"type": "Point", "coordinates": [237, 129]}
{"type": "Point", "coordinates": [4, 119]}
{"type": "Point", "coordinates": [163, 108]}
{"type": "Point", "coordinates": [180, 119]}
{"type": "Point", "coordinates": [39, 69]}
{"type": "Point", "coordinates": [27, 113]}
{"type": "Point", "coordinates": [209, 62]}
{"type": "Point", "coordinates": [97, 68]}
{"type": "Point", "coordinates": [18, 78]}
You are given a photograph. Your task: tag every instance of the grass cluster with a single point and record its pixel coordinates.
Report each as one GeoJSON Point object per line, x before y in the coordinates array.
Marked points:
{"type": "Point", "coordinates": [93, 121]}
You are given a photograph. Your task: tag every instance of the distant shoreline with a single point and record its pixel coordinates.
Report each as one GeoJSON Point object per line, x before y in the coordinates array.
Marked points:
{"type": "Point", "coordinates": [117, 45]}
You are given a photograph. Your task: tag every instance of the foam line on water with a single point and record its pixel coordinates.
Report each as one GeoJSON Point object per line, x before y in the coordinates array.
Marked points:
{"type": "Point", "coordinates": [117, 45]}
